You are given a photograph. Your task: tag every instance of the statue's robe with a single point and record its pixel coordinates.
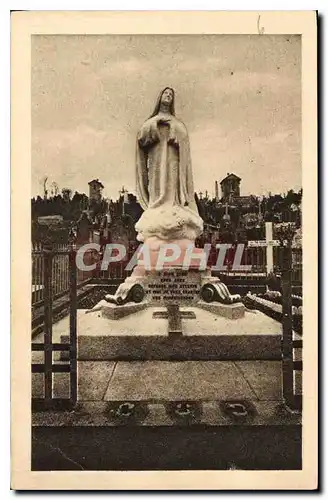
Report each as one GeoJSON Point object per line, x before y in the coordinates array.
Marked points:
{"type": "Point", "coordinates": [165, 186]}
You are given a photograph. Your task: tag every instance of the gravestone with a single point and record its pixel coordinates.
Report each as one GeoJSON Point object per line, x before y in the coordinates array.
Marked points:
{"type": "Point", "coordinates": [170, 217]}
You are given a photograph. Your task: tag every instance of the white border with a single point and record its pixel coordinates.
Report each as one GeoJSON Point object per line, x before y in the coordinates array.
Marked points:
{"type": "Point", "coordinates": [96, 4]}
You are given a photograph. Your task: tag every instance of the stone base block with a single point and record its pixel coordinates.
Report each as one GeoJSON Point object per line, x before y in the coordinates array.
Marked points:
{"type": "Point", "coordinates": [230, 311]}
{"type": "Point", "coordinates": [176, 347]}
{"type": "Point", "coordinates": [113, 311]}
{"type": "Point", "coordinates": [141, 337]}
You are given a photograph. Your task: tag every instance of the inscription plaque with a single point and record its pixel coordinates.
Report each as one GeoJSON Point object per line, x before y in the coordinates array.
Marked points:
{"type": "Point", "coordinates": [173, 286]}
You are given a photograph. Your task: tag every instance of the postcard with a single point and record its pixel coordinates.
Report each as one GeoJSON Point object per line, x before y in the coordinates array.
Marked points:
{"type": "Point", "coordinates": [164, 250]}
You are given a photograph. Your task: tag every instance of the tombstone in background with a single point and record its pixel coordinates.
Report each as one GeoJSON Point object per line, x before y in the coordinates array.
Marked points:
{"type": "Point", "coordinates": [120, 232]}
{"type": "Point", "coordinates": [84, 229]}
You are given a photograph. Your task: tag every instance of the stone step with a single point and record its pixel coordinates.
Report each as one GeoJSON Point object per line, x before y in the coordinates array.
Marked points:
{"type": "Point", "coordinates": [224, 346]}
{"type": "Point", "coordinates": [141, 337]}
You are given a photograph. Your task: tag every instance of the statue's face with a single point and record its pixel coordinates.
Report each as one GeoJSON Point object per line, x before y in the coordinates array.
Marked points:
{"type": "Point", "coordinates": [167, 96]}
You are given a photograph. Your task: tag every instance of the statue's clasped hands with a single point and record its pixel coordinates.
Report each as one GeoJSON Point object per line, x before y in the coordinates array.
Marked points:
{"type": "Point", "coordinates": [163, 119]}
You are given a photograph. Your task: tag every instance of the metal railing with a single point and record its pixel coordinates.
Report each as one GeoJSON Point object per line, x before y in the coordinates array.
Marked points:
{"type": "Point", "coordinates": [296, 263]}
{"type": "Point", "coordinates": [254, 257]}
{"type": "Point", "coordinates": [116, 270]}
{"type": "Point", "coordinates": [49, 367]}
{"type": "Point", "coordinates": [60, 271]}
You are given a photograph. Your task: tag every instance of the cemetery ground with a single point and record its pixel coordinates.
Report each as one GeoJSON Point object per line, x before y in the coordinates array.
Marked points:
{"type": "Point", "coordinates": [141, 408]}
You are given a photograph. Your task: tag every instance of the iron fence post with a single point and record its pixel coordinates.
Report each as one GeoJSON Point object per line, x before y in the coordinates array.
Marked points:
{"type": "Point", "coordinates": [73, 324]}
{"type": "Point", "coordinates": [47, 276]}
{"type": "Point", "coordinates": [287, 326]}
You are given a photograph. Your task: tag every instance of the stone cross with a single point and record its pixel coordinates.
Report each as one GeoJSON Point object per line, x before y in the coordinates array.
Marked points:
{"type": "Point", "coordinates": [174, 317]}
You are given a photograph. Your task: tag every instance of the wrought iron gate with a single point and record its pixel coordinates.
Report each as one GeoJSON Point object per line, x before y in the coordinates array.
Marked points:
{"type": "Point", "coordinates": [48, 347]}
{"type": "Point", "coordinates": [290, 346]}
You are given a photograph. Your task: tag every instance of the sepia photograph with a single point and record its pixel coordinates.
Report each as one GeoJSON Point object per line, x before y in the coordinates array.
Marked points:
{"type": "Point", "coordinates": [167, 250]}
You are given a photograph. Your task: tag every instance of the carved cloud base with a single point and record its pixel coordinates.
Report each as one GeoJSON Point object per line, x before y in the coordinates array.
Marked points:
{"type": "Point", "coordinates": [168, 222]}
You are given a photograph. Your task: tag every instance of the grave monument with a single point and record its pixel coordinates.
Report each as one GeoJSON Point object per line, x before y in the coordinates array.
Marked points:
{"type": "Point", "coordinates": [170, 271]}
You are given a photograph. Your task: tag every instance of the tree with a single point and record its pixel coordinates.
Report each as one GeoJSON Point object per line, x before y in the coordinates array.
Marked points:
{"type": "Point", "coordinates": [54, 188]}
{"type": "Point", "coordinates": [67, 193]}
{"type": "Point", "coordinates": [45, 191]}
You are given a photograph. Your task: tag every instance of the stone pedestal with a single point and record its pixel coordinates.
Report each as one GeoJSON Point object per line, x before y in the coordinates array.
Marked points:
{"type": "Point", "coordinates": [141, 337]}
{"type": "Point", "coordinates": [173, 286]}
{"type": "Point", "coordinates": [159, 253]}
{"type": "Point", "coordinates": [113, 311]}
{"type": "Point", "coordinates": [229, 311]}
{"type": "Point", "coordinates": [173, 274]}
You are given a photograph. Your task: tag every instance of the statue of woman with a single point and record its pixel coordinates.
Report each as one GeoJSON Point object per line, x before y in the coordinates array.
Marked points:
{"type": "Point", "coordinates": [165, 186]}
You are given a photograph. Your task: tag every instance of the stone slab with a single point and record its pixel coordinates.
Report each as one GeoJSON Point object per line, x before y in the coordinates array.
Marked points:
{"type": "Point", "coordinates": [256, 336]}
{"type": "Point", "coordinates": [93, 379]}
{"type": "Point", "coordinates": [209, 336]}
{"type": "Point", "coordinates": [143, 324]}
{"type": "Point", "coordinates": [264, 378]}
{"type": "Point", "coordinates": [170, 380]}
{"type": "Point", "coordinates": [178, 347]}
{"type": "Point", "coordinates": [174, 381]}
{"type": "Point", "coordinates": [230, 311]}
{"type": "Point", "coordinates": [60, 385]}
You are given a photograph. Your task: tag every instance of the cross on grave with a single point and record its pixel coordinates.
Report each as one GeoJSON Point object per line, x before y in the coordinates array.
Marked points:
{"type": "Point", "coordinates": [124, 193]}
{"type": "Point", "coordinates": [174, 317]}
{"type": "Point", "coordinates": [226, 216]}
{"type": "Point", "coordinates": [269, 243]}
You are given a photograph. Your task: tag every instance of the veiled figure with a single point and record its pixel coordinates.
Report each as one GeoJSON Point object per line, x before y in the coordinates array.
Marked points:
{"type": "Point", "coordinates": [165, 187]}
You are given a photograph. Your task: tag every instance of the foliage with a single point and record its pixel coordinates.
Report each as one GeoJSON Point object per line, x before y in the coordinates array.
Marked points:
{"type": "Point", "coordinates": [238, 221]}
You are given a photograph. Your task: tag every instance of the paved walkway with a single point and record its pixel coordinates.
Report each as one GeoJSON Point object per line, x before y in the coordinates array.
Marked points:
{"type": "Point", "coordinates": [169, 380]}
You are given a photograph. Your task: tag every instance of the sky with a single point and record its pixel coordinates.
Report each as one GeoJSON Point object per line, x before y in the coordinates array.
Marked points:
{"type": "Point", "coordinates": [238, 95]}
